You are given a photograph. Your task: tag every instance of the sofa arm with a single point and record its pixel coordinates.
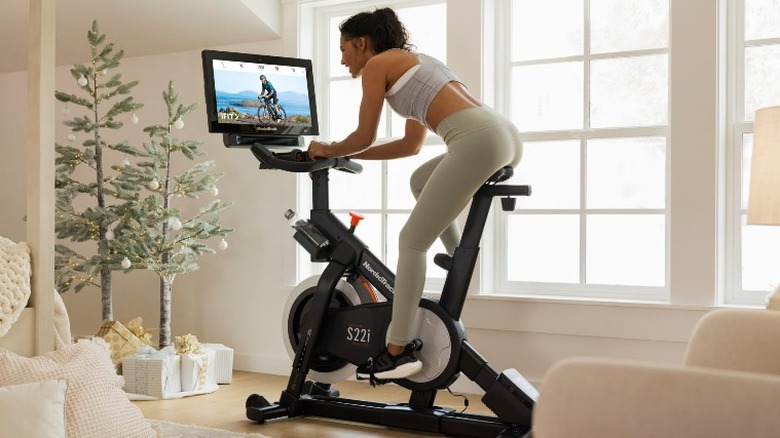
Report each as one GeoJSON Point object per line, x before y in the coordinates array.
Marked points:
{"type": "Point", "coordinates": [737, 339]}
{"type": "Point", "coordinates": [601, 398]}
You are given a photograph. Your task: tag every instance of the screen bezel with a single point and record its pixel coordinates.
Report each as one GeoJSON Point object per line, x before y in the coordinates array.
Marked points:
{"type": "Point", "coordinates": [214, 126]}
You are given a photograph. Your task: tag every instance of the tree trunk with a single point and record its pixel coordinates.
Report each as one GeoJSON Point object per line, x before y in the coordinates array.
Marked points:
{"type": "Point", "coordinates": [105, 287]}
{"type": "Point", "coordinates": [103, 252]}
{"type": "Point", "coordinates": [166, 292]}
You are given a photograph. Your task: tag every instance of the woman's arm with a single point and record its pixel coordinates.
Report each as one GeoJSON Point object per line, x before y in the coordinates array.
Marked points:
{"type": "Point", "coordinates": [410, 144]}
{"type": "Point", "coordinates": [374, 82]}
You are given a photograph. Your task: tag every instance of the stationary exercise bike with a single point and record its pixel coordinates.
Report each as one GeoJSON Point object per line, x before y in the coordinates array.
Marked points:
{"type": "Point", "coordinates": [337, 320]}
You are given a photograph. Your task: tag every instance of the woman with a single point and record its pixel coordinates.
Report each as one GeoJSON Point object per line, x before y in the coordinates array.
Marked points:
{"type": "Point", "coordinates": [374, 46]}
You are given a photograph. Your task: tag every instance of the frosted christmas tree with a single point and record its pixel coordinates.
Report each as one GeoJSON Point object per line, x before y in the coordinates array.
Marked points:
{"type": "Point", "coordinates": [155, 234]}
{"type": "Point", "coordinates": [127, 208]}
{"type": "Point", "coordinates": [88, 200]}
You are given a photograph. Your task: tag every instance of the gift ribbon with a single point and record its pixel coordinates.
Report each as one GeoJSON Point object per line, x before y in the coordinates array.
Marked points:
{"type": "Point", "coordinates": [135, 326]}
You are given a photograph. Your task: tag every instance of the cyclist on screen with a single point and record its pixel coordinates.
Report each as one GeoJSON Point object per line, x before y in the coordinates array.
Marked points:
{"type": "Point", "coordinates": [268, 92]}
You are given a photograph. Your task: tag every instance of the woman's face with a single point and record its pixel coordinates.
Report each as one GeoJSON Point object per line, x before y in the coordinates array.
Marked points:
{"type": "Point", "coordinates": [352, 56]}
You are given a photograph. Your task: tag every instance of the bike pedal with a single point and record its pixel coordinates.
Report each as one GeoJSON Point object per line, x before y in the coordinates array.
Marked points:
{"type": "Point", "coordinates": [443, 261]}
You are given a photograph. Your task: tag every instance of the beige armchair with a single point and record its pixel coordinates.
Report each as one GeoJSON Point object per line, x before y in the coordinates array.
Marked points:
{"type": "Point", "coordinates": [729, 386]}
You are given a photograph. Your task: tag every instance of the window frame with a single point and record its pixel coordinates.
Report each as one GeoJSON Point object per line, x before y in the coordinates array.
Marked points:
{"type": "Point", "coordinates": [500, 285]}
{"type": "Point", "coordinates": [737, 127]}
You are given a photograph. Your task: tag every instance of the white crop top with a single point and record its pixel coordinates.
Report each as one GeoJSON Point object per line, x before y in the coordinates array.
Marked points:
{"type": "Point", "coordinates": [414, 91]}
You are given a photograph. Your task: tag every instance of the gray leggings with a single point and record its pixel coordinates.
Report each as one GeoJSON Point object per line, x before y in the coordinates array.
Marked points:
{"type": "Point", "coordinates": [479, 142]}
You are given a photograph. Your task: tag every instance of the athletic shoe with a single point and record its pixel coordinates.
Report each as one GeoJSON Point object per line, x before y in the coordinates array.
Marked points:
{"type": "Point", "coordinates": [389, 367]}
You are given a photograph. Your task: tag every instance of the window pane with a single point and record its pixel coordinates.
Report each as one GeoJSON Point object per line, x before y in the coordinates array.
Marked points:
{"type": "Point", "coordinates": [762, 76]}
{"type": "Point", "coordinates": [627, 173]}
{"type": "Point", "coordinates": [546, 29]}
{"type": "Point", "coordinates": [762, 19]}
{"type": "Point", "coordinates": [543, 248]}
{"type": "Point", "coordinates": [395, 222]}
{"type": "Point", "coordinates": [344, 108]}
{"type": "Point", "coordinates": [619, 25]}
{"type": "Point", "coordinates": [626, 250]}
{"type": "Point", "coordinates": [353, 192]}
{"type": "Point", "coordinates": [552, 169]}
{"type": "Point", "coordinates": [334, 54]}
{"type": "Point", "coordinates": [760, 257]}
{"type": "Point", "coordinates": [399, 195]}
{"type": "Point", "coordinates": [427, 27]}
{"type": "Point", "coordinates": [631, 91]}
{"type": "Point", "coordinates": [547, 97]}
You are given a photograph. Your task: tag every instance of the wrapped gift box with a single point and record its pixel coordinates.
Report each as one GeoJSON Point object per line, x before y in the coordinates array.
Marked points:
{"type": "Point", "coordinates": [197, 370]}
{"type": "Point", "coordinates": [223, 374]}
{"type": "Point", "coordinates": [157, 374]}
{"type": "Point", "coordinates": [121, 340]}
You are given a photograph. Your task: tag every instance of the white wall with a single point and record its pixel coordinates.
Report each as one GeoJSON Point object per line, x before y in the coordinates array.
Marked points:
{"type": "Point", "coordinates": [237, 296]}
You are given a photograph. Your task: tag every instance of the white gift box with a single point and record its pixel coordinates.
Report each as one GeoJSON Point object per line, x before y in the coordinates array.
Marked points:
{"type": "Point", "coordinates": [197, 370]}
{"type": "Point", "coordinates": [157, 374]}
{"type": "Point", "coordinates": [223, 373]}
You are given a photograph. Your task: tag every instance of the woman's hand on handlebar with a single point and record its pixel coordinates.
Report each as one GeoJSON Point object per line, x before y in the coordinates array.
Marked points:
{"type": "Point", "coordinates": [318, 149]}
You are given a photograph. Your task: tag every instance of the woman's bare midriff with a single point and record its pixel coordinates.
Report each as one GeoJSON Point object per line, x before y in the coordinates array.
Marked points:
{"type": "Point", "coordinates": [452, 98]}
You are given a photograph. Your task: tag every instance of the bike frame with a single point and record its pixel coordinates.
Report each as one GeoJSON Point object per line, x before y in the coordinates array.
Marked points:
{"type": "Point", "coordinates": [508, 394]}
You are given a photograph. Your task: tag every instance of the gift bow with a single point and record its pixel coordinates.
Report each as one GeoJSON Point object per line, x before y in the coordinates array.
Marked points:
{"type": "Point", "coordinates": [187, 344]}
{"type": "Point", "coordinates": [135, 326]}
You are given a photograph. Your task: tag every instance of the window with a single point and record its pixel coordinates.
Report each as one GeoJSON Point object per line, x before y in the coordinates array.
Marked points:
{"type": "Point", "coordinates": [755, 60]}
{"type": "Point", "coordinates": [587, 83]}
{"type": "Point", "coordinates": [381, 192]}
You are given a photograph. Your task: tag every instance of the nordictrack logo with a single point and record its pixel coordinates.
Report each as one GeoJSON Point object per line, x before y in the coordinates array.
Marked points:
{"type": "Point", "coordinates": [376, 275]}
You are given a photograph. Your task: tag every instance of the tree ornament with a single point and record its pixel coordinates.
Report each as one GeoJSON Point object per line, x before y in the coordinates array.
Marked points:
{"type": "Point", "coordinates": [223, 245]}
{"type": "Point", "coordinates": [126, 263]}
{"type": "Point", "coordinates": [82, 81]}
{"type": "Point", "coordinates": [104, 72]}
{"type": "Point", "coordinates": [214, 191]}
{"type": "Point", "coordinates": [66, 110]}
{"type": "Point", "coordinates": [174, 223]}
{"type": "Point", "coordinates": [154, 184]}
{"type": "Point", "coordinates": [134, 119]}
{"type": "Point", "coordinates": [71, 137]}
{"type": "Point", "coordinates": [125, 162]}
{"type": "Point", "coordinates": [179, 123]}
{"type": "Point", "coordinates": [109, 234]}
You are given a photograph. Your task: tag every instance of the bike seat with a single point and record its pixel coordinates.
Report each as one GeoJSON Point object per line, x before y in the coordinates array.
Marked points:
{"type": "Point", "coordinates": [501, 174]}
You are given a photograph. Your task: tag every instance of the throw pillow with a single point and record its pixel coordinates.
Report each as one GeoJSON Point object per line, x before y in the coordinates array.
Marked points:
{"type": "Point", "coordinates": [38, 409]}
{"type": "Point", "coordinates": [15, 274]}
{"type": "Point", "coordinates": [96, 406]}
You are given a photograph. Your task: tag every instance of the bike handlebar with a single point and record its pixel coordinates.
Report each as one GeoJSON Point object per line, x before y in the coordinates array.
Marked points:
{"type": "Point", "coordinates": [298, 161]}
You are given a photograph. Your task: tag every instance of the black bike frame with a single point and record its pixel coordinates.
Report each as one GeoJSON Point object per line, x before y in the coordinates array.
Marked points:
{"type": "Point", "coordinates": [507, 394]}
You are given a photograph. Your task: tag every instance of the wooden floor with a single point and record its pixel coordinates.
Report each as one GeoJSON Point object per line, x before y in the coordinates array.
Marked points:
{"type": "Point", "coordinates": [224, 409]}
